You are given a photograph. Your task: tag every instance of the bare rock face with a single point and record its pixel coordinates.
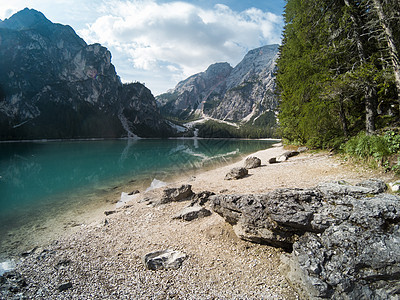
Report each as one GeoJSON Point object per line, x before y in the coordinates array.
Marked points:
{"type": "Point", "coordinates": [166, 259]}
{"type": "Point", "coordinates": [54, 85]}
{"type": "Point", "coordinates": [236, 173]}
{"type": "Point", "coordinates": [242, 93]}
{"type": "Point", "coordinates": [344, 239]}
{"type": "Point", "coordinates": [252, 162]}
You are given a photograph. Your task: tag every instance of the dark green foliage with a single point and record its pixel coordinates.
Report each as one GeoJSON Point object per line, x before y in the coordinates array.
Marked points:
{"type": "Point", "coordinates": [382, 149]}
{"type": "Point", "coordinates": [333, 75]}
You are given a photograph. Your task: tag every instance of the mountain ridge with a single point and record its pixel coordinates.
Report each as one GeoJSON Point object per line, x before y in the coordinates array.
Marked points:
{"type": "Point", "coordinates": [240, 94]}
{"type": "Point", "coordinates": [54, 85]}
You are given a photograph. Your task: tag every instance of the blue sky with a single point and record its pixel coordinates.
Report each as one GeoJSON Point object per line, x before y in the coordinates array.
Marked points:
{"type": "Point", "coordinates": [160, 42]}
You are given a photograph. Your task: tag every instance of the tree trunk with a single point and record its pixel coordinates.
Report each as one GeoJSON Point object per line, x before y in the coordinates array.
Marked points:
{"type": "Point", "coordinates": [370, 109]}
{"type": "Point", "coordinates": [369, 91]}
{"type": "Point", "coordinates": [342, 116]}
{"type": "Point", "coordinates": [394, 54]}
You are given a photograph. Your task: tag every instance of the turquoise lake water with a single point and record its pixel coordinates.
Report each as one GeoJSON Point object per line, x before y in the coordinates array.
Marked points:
{"type": "Point", "coordinates": [40, 176]}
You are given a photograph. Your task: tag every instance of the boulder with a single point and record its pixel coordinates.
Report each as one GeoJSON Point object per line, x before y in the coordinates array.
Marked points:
{"type": "Point", "coordinates": [277, 218]}
{"type": "Point", "coordinates": [166, 259]}
{"type": "Point", "coordinates": [236, 173]}
{"type": "Point", "coordinates": [201, 198]}
{"type": "Point", "coordinates": [176, 194]}
{"type": "Point", "coordinates": [192, 212]}
{"type": "Point", "coordinates": [344, 239]}
{"type": "Point", "coordinates": [252, 162]}
{"type": "Point", "coordinates": [285, 156]}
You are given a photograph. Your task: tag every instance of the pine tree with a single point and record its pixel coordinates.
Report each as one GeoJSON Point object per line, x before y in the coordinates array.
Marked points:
{"type": "Point", "coordinates": [333, 69]}
{"type": "Point", "coordinates": [389, 20]}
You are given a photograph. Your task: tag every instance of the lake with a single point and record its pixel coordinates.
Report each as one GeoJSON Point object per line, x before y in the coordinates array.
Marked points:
{"type": "Point", "coordinates": [44, 180]}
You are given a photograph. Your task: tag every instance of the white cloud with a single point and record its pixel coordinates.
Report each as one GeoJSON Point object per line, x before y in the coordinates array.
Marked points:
{"type": "Point", "coordinates": [177, 39]}
{"type": "Point", "coordinates": [160, 43]}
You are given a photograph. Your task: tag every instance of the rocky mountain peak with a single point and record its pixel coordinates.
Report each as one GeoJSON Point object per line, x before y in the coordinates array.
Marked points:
{"type": "Point", "coordinates": [54, 85]}
{"type": "Point", "coordinates": [221, 70]}
{"type": "Point", "coordinates": [256, 64]}
{"type": "Point", "coordinates": [239, 94]}
{"type": "Point", "coordinates": [26, 19]}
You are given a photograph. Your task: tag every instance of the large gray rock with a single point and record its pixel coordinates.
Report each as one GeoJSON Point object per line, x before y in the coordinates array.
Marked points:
{"type": "Point", "coordinates": [277, 218]}
{"type": "Point", "coordinates": [166, 259]}
{"type": "Point", "coordinates": [252, 162]}
{"type": "Point", "coordinates": [236, 173]}
{"type": "Point", "coordinates": [183, 192]}
{"type": "Point", "coordinates": [345, 239]}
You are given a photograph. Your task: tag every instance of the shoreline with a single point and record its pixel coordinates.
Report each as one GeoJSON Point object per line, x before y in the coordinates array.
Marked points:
{"type": "Point", "coordinates": [219, 264]}
{"type": "Point", "coordinates": [51, 224]}
{"type": "Point", "coordinates": [127, 139]}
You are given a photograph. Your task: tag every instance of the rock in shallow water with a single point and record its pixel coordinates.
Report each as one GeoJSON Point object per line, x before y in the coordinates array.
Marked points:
{"type": "Point", "coordinates": [345, 239]}
{"type": "Point", "coordinates": [167, 259]}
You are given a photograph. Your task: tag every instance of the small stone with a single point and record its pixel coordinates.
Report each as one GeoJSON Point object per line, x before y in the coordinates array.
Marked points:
{"type": "Point", "coordinates": [394, 186]}
{"type": "Point", "coordinates": [29, 252]}
{"type": "Point", "coordinates": [167, 259]}
{"type": "Point", "coordinates": [64, 286]}
{"type": "Point", "coordinates": [134, 192]}
{"type": "Point", "coordinates": [273, 160]}
{"type": "Point", "coordinates": [109, 212]}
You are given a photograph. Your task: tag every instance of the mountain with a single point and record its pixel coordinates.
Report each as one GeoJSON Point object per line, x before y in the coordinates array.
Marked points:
{"type": "Point", "coordinates": [54, 85]}
{"type": "Point", "coordinates": [240, 94]}
{"type": "Point", "coordinates": [186, 99]}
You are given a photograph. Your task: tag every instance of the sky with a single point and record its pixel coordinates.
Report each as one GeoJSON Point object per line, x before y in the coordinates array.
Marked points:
{"type": "Point", "coordinates": [161, 42]}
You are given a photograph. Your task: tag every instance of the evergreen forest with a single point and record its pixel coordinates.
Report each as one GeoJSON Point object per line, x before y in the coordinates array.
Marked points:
{"type": "Point", "coordinates": [338, 72]}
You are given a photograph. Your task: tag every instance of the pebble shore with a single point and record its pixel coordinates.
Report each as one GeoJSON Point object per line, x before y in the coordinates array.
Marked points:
{"type": "Point", "coordinates": [103, 259]}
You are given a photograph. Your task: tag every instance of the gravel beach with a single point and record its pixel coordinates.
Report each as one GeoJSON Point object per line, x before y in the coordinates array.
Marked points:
{"type": "Point", "coordinates": [102, 258]}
